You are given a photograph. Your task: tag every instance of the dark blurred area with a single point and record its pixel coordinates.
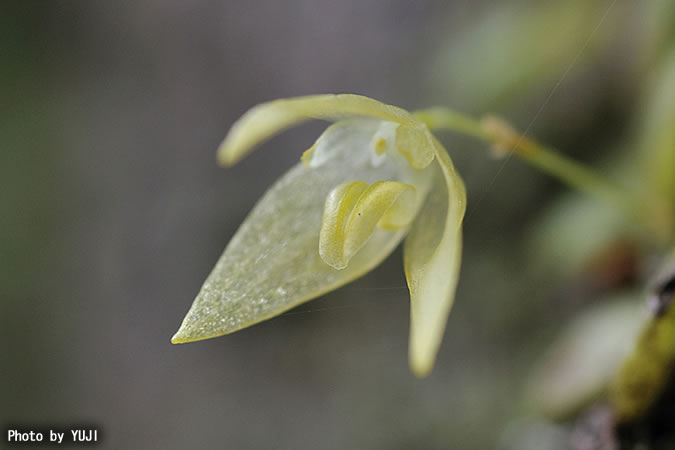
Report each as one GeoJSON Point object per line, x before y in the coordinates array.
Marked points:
{"type": "Point", "coordinates": [113, 210]}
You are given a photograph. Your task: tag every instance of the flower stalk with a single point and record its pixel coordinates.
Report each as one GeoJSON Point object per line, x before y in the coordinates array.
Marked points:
{"type": "Point", "coordinates": [506, 140]}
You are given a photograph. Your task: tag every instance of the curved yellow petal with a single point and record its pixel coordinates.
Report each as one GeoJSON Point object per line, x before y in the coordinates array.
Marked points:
{"type": "Point", "coordinates": [402, 211]}
{"type": "Point", "coordinates": [264, 120]}
{"type": "Point", "coordinates": [339, 205]}
{"type": "Point", "coordinates": [432, 254]}
{"type": "Point", "coordinates": [352, 212]}
{"type": "Point", "coordinates": [372, 208]}
{"type": "Point", "coordinates": [272, 263]}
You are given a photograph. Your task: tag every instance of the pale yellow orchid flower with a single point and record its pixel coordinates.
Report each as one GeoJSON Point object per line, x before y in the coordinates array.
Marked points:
{"type": "Point", "coordinates": [374, 176]}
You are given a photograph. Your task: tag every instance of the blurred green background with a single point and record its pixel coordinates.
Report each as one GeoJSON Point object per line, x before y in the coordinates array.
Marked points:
{"type": "Point", "coordinates": [113, 210]}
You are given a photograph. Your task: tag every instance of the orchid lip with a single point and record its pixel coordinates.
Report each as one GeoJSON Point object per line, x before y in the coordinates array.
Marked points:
{"type": "Point", "coordinates": [354, 209]}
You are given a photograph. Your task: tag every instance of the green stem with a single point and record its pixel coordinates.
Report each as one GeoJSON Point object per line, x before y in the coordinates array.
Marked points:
{"type": "Point", "coordinates": [504, 138]}
{"type": "Point", "coordinates": [579, 176]}
{"type": "Point", "coordinates": [444, 118]}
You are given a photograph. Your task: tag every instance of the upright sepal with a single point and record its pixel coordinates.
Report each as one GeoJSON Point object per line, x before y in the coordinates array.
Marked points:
{"type": "Point", "coordinates": [264, 120]}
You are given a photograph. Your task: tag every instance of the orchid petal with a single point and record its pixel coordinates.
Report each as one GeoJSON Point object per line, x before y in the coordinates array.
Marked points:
{"type": "Point", "coordinates": [338, 138]}
{"type": "Point", "coordinates": [263, 121]}
{"type": "Point", "coordinates": [432, 255]}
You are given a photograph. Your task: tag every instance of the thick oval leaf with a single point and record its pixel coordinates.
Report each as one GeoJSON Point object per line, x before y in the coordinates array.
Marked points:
{"type": "Point", "coordinates": [272, 263]}
{"type": "Point", "coordinates": [580, 364]}
{"type": "Point", "coordinates": [656, 155]}
{"type": "Point", "coordinates": [572, 230]}
{"type": "Point", "coordinates": [432, 255]}
{"type": "Point", "coordinates": [657, 143]}
{"type": "Point", "coordinates": [644, 375]}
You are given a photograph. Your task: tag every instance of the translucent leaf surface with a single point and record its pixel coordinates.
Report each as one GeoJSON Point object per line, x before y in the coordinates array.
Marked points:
{"type": "Point", "coordinates": [432, 259]}
{"type": "Point", "coordinates": [657, 150]}
{"type": "Point", "coordinates": [583, 359]}
{"type": "Point", "coordinates": [272, 263]}
{"type": "Point", "coordinates": [572, 230]}
{"type": "Point", "coordinates": [658, 133]}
